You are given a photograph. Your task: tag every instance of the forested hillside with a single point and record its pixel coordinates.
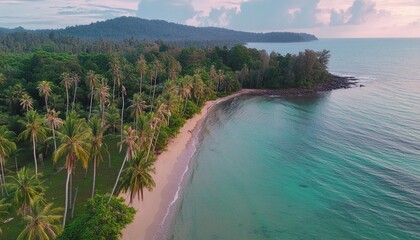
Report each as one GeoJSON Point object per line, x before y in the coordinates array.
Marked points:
{"type": "Point", "coordinates": [122, 28]}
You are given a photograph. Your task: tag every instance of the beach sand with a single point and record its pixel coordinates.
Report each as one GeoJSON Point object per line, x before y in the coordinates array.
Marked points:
{"type": "Point", "coordinates": [170, 166]}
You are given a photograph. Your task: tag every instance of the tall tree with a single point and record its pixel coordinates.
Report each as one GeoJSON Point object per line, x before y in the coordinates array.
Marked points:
{"type": "Point", "coordinates": [123, 93]}
{"type": "Point", "coordinates": [185, 90]}
{"type": "Point", "coordinates": [92, 82]}
{"type": "Point", "coordinates": [174, 69]}
{"type": "Point", "coordinates": [45, 91]}
{"type": "Point", "coordinates": [97, 145]}
{"type": "Point", "coordinates": [25, 190]}
{"type": "Point", "coordinates": [26, 102]}
{"type": "Point", "coordinates": [157, 68]}
{"type": "Point", "coordinates": [67, 81]}
{"type": "Point", "coordinates": [137, 176]}
{"type": "Point", "coordinates": [75, 146]}
{"type": "Point", "coordinates": [34, 130]}
{"type": "Point", "coordinates": [131, 143]}
{"type": "Point", "coordinates": [142, 69]}
{"type": "Point", "coordinates": [42, 223]}
{"type": "Point", "coordinates": [75, 79]}
{"type": "Point", "coordinates": [137, 107]}
{"type": "Point", "coordinates": [116, 74]}
{"type": "Point", "coordinates": [103, 97]}
{"type": "Point", "coordinates": [7, 146]}
{"type": "Point", "coordinates": [54, 121]}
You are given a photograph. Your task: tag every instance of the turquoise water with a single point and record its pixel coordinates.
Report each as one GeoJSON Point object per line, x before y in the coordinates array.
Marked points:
{"type": "Point", "coordinates": [338, 165]}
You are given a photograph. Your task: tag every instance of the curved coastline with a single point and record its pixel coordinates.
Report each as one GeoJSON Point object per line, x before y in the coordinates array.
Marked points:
{"type": "Point", "coordinates": [153, 214]}
{"type": "Point", "coordinates": [171, 167]}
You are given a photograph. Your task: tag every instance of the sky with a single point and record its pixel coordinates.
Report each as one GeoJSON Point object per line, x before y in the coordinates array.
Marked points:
{"type": "Point", "coordinates": [324, 18]}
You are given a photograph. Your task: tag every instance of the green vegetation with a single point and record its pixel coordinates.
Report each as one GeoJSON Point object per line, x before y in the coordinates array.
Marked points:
{"type": "Point", "coordinates": [91, 123]}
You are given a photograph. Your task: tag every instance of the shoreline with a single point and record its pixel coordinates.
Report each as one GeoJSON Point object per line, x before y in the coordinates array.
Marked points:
{"type": "Point", "coordinates": [171, 166]}
{"type": "Point", "coordinates": [173, 163]}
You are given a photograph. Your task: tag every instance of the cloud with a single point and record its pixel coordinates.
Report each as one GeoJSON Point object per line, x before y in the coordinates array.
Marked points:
{"type": "Point", "coordinates": [178, 11]}
{"type": "Point", "coordinates": [356, 14]}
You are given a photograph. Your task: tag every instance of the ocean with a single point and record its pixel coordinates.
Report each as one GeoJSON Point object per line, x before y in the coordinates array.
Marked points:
{"type": "Point", "coordinates": [337, 165]}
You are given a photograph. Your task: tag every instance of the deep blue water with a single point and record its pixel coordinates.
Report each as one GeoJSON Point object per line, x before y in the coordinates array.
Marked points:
{"type": "Point", "coordinates": [339, 165]}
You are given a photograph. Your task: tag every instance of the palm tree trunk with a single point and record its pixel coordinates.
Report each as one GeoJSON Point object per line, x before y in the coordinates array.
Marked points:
{"type": "Point", "coordinates": [157, 137]}
{"type": "Point", "coordinates": [141, 82]}
{"type": "Point", "coordinates": [154, 91]}
{"type": "Point", "coordinates": [67, 196]}
{"type": "Point", "coordinates": [71, 188]}
{"type": "Point", "coordinates": [3, 180]}
{"type": "Point", "coordinates": [122, 116]}
{"type": "Point", "coordinates": [46, 103]}
{"type": "Point", "coordinates": [113, 92]}
{"type": "Point", "coordinates": [185, 105]}
{"type": "Point", "coordinates": [118, 177]}
{"type": "Point", "coordinates": [94, 175]}
{"type": "Point", "coordinates": [74, 96]}
{"type": "Point", "coordinates": [91, 101]}
{"type": "Point", "coordinates": [150, 146]}
{"type": "Point", "coordinates": [55, 141]}
{"type": "Point", "coordinates": [34, 149]}
{"type": "Point", "coordinates": [67, 97]}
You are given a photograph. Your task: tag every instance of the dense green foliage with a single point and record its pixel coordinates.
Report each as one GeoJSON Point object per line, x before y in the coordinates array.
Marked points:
{"type": "Point", "coordinates": [72, 106]}
{"type": "Point", "coordinates": [101, 220]}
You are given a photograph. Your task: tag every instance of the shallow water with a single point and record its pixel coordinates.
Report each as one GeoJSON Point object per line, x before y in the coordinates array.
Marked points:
{"type": "Point", "coordinates": [338, 165]}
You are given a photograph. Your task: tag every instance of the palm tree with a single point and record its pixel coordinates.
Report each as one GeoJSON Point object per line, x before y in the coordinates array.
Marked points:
{"type": "Point", "coordinates": [113, 118]}
{"type": "Point", "coordinates": [116, 72]}
{"type": "Point", "coordinates": [142, 68]}
{"type": "Point", "coordinates": [75, 139]}
{"type": "Point", "coordinates": [54, 121]}
{"type": "Point", "coordinates": [161, 114]}
{"type": "Point", "coordinates": [137, 107]}
{"type": "Point", "coordinates": [123, 93]}
{"type": "Point", "coordinates": [174, 69]}
{"type": "Point", "coordinates": [35, 130]}
{"type": "Point", "coordinates": [137, 176]}
{"type": "Point", "coordinates": [153, 123]}
{"type": "Point", "coordinates": [25, 189]}
{"type": "Point", "coordinates": [26, 102]}
{"type": "Point", "coordinates": [3, 210]}
{"type": "Point", "coordinates": [97, 145]}
{"type": "Point", "coordinates": [75, 80]}
{"type": "Point", "coordinates": [44, 90]}
{"type": "Point", "coordinates": [185, 90]}
{"type": "Point", "coordinates": [157, 67]}
{"type": "Point", "coordinates": [198, 86]}
{"type": "Point", "coordinates": [7, 146]}
{"type": "Point", "coordinates": [103, 96]}
{"type": "Point", "coordinates": [92, 81]}
{"type": "Point", "coordinates": [131, 142]}
{"type": "Point", "coordinates": [214, 77]}
{"type": "Point", "coordinates": [42, 223]}
{"type": "Point", "coordinates": [67, 81]}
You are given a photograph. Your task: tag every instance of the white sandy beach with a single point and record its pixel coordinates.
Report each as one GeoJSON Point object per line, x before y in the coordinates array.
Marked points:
{"type": "Point", "coordinates": [170, 166]}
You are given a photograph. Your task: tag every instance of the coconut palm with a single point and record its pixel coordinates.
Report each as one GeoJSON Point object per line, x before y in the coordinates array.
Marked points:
{"type": "Point", "coordinates": [42, 223]}
{"type": "Point", "coordinates": [153, 124]}
{"type": "Point", "coordinates": [26, 102]}
{"type": "Point", "coordinates": [75, 146]}
{"type": "Point", "coordinates": [137, 176]}
{"type": "Point", "coordinates": [161, 113]}
{"type": "Point", "coordinates": [92, 81]}
{"type": "Point", "coordinates": [34, 130]}
{"type": "Point", "coordinates": [198, 86]}
{"type": "Point", "coordinates": [137, 107]}
{"type": "Point", "coordinates": [97, 145]}
{"type": "Point", "coordinates": [142, 69]}
{"type": "Point", "coordinates": [116, 73]}
{"type": "Point", "coordinates": [54, 121]}
{"type": "Point", "coordinates": [157, 68]}
{"type": "Point", "coordinates": [214, 77]}
{"type": "Point", "coordinates": [67, 81]}
{"type": "Point", "coordinates": [113, 118]}
{"type": "Point", "coordinates": [174, 69]}
{"type": "Point", "coordinates": [103, 97]}
{"type": "Point", "coordinates": [75, 80]}
{"type": "Point", "coordinates": [3, 211]}
{"type": "Point", "coordinates": [7, 146]}
{"type": "Point", "coordinates": [25, 190]}
{"type": "Point", "coordinates": [45, 91]}
{"type": "Point", "coordinates": [185, 90]}
{"type": "Point", "coordinates": [123, 93]}
{"type": "Point", "coordinates": [131, 143]}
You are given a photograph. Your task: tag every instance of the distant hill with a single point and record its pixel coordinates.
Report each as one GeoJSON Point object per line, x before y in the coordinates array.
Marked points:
{"type": "Point", "coordinates": [131, 27]}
